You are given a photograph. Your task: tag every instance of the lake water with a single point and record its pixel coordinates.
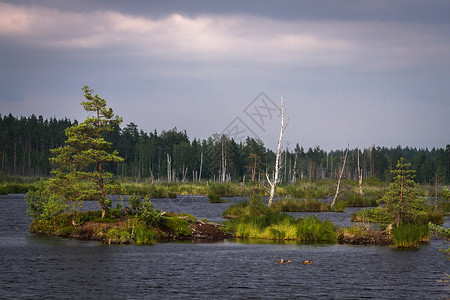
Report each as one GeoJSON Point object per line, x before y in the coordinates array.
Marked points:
{"type": "Point", "coordinates": [34, 266]}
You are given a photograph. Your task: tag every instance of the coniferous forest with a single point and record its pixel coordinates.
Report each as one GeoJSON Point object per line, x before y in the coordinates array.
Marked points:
{"type": "Point", "coordinates": [171, 156]}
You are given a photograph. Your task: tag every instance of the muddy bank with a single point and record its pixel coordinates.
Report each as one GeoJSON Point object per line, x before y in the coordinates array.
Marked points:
{"type": "Point", "coordinates": [370, 237]}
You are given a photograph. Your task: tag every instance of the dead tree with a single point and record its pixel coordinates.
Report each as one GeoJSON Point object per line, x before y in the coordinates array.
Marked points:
{"type": "Point", "coordinates": [340, 176]}
{"type": "Point", "coordinates": [169, 168]}
{"type": "Point", "coordinates": [360, 176]}
{"type": "Point", "coordinates": [273, 183]}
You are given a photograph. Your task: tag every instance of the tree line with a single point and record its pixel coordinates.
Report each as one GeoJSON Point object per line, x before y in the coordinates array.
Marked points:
{"type": "Point", "coordinates": [170, 155]}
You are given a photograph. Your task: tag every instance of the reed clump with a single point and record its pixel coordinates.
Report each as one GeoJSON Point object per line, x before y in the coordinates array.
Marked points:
{"type": "Point", "coordinates": [410, 235]}
{"type": "Point", "coordinates": [253, 220]}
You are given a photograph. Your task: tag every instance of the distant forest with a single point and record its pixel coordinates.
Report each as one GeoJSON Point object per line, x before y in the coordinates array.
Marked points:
{"type": "Point", "coordinates": [172, 156]}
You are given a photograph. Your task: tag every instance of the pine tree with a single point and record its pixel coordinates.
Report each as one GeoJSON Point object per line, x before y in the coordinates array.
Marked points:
{"type": "Point", "coordinates": [82, 158]}
{"type": "Point", "coordinates": [401, 201]}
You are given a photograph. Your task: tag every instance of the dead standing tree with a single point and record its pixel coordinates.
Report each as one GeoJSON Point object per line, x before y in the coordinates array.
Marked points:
{"type": "Point", "coordinates": [340, 177]}
{"type": "Point", "coordinates": [273, 183]}
{"type": "Point", "coordinates": [360, 176]}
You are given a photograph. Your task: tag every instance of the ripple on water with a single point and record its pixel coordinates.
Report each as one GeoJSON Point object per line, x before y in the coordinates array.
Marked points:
{"type": "Point", "coordinates": [33, 266]}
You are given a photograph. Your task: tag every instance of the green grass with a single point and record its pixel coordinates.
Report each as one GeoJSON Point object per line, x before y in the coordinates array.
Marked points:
{"type": "Point", "coordinates": [372, 215]}
{"type": "Point", "coordinates": [144, 235]}
{"type": "Point", "coordinates": [300, 205]}
{"type": "Point", "coordinates": [16, 188]}
{"type": "Point", "coordinates": [176, 226]}
{"type": "Point", "coordinates": [280, 226]}
{"type": "Point", "coordinates": [307, 190]}
{"type": "Point", "coordinates": [356, 200]}
{"type": "Point", "coordinates": [410, 235]}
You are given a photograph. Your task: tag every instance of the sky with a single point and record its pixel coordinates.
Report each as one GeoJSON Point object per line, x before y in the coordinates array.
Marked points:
{"type": "Point", "coordinates": [359, 72]}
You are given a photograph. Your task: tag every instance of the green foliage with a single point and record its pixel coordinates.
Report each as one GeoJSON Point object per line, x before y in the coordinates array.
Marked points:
{"type": "Point", "coordinates": [308, 190]}
{"type": "Point", "coordinates": [84, 154]}
{"type": "Point", "coordinates": [215, 199]}
{"type": "Point", "coordinates": [311, 229]}
{"type": "Point", "coordinates": [86, 216]}
{"type": "Point", "coordinates": [444, 204]}
{"type": "Point", "coordinates": [178, 226]}
{"type": "Point", "coordinates": [148, 214]}
{"type": "Point", "coordinates": [144, 235]}
{"type": "Point", "coordinates": [373, 215]}
{"type": "Point", "coordinates": [16, 188]}
{"type": "Point", "coordinates": [220, 189]}
{"type": "Point", "coordinates": [409, 235]}
{"type": "Point", "coordinates": [298, 205]}
{"type": "Point", "coordinates": [43, 207]}
{"type": "Point", "coordinates": [119, 236]}
{"type": "Point", "coordinates": [356, 200]}
{"type": "Point", "coordinates": [190, 218]}
{"type": "Point", "coordinates": [276, 226]}
{"type": "Point", "coordinates": [135, 203]}
{"type": "Point", "coordinates": [401, 201]}
{"type": "Point", "coordinates": [445, 194]}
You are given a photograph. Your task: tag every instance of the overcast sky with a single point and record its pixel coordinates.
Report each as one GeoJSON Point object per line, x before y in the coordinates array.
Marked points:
{"type": "Point", "coordinates": [363, 72]}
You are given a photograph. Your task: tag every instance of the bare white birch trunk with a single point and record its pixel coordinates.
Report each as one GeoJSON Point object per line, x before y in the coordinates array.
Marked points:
{"type": "Point", "coordinates": [273, 183]}
{"type": "Point", "coordinates": [360, 176]}
{"type": "Point", "coordinates": [169, 168]}
{"type": "Point", "coordinates": [201, 165]}
{"type": "Point", "coordinates": [340, 176]}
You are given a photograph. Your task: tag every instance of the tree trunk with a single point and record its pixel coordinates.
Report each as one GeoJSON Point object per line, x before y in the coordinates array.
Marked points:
{"type": "Point", "coordinates": [340, 176]}
{"type": "Point", "coordinates": [360, 176]}
{"type": "Point", "coordinates": [273, 183]}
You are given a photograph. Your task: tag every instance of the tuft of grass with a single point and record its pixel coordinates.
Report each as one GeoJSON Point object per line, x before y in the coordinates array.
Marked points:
{"type": "Point", "coordinates": [144, 235]}
{"type": "Point", "coordinates": [410, 235]}
{"type": "Point", "coordinates": [280, 226]}
{"type": "Point", "coordinates": [213, 198]}
{"type": "Point", "coordinates": [311, 229]}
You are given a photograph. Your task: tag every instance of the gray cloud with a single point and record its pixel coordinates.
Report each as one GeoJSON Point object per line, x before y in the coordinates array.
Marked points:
{"type": "Point", "coordinates": [358, 72]}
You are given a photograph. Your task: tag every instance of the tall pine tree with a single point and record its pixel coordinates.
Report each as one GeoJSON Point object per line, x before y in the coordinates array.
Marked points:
{"type": "Point", "coordinates": [401, 201]}
{"type": "Point", "coordinates": [82, 158]}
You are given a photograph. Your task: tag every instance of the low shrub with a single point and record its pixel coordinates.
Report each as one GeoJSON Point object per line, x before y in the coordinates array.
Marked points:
{"type": "Point", "coordinates": [86, 216]}
{"type": "Point", "coordinates": [119, 236]}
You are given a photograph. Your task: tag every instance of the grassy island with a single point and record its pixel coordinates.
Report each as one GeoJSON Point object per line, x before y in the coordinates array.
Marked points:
{"type": "Point", "coordinates": [139, 224]}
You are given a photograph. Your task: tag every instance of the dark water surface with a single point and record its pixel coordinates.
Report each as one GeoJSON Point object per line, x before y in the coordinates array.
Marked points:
{"type": "Point", "coordinates": [34, 266]}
